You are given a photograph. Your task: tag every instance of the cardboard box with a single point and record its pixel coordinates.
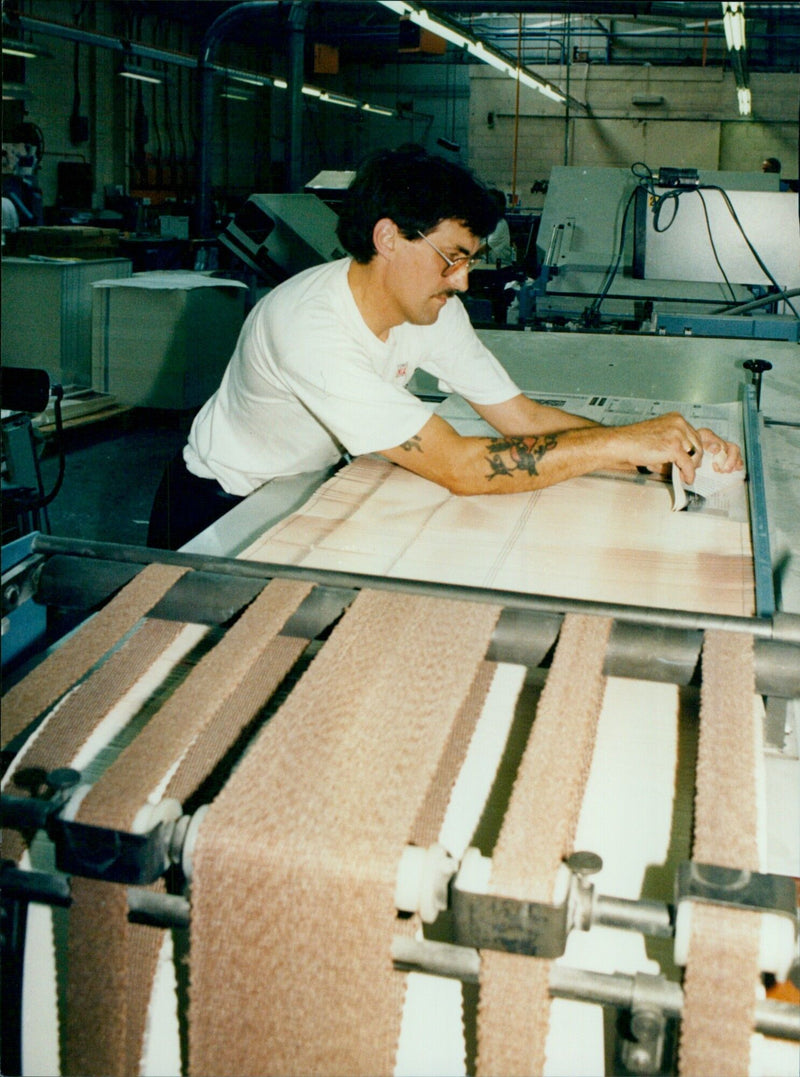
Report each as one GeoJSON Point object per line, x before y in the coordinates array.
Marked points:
{"type": "Point", "coordinates": [163, 339]}
{"type": "Point", "coordinates": [47, 314]}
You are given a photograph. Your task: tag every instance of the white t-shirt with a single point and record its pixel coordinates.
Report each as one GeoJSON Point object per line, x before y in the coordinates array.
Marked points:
{"type": "Point", "coordinates": [309, 380]}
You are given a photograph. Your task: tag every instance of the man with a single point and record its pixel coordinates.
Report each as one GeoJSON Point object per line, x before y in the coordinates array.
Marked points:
{"type": "Point", "coordinates": [322, 362]}
{"type": "Point", "coordinates": [500, 248]}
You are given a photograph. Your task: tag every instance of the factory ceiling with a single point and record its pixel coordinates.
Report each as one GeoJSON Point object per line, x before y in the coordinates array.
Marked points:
{"type": "Point", "coordinates": [654, 32]}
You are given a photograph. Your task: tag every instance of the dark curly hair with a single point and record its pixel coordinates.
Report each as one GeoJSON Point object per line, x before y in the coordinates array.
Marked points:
{"type": "Point", "coordinates": [415, 189]}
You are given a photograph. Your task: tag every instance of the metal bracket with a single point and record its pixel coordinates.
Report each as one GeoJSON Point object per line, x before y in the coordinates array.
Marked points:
{"type": "Point", "coordinates": [491, 922]}
{"type": "Point", "coordinates": [20, 582]}
{"type": "Point", "coordinates": [737, 888]}
{"type": "Point", "coordinates": [642, 1049]}
{"type": "Point", "coordinates": [773, 896]}
{"type": "Point", "coordinates": [137, 857]}
{"type": "Point", "coordinates": [487, 922]}
{"type": "Point", "coordinates": [117, 856]}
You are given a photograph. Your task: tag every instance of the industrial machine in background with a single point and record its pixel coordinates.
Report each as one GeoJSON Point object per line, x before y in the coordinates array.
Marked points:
{"type": "Point", "coordinates": [25, 393]}
{"type": "Point", "coordinates": [683, 251]}
{"type": "Point", "coordinates": [277, 235]}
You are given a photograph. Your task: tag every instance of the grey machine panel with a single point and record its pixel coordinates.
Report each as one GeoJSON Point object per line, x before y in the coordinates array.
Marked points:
{"type": "Point", "coordinates": [281, 234]}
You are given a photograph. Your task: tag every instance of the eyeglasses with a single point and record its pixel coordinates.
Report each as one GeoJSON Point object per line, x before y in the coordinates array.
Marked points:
{"type": "Point", "coordinates": [454, 264]}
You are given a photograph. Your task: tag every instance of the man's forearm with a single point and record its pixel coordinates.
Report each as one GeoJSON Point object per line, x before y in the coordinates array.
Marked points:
{"type": "Point", "coordinates": [503, 463]}
{"type": "Point", "coordinates": [508, 463]}
{"type": "Point", "coordinates": [515, 462]}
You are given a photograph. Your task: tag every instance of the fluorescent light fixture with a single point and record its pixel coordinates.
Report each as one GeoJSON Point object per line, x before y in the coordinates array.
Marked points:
{"type": "Point", "coordinates": [337, 99]}
{"type": "Point", "coordinates": [249, 80]}
{"type": "Point", "coordinates": [733, 24]}
{"type": "Point", "coordinates": [378, 109]}
{"type": "Point", "coordinates": [474, 47]}
{"type": "Point", "coordinates": [26, 50]}
{"type": "Point", "coordinates": [140, 74]}
{"type": "Point", "coordinates": [253, 79]}
{"type": "Point", "coordinates": [455, 37]}
{"type": "Point", "coordinates": [480, 52]}
{"type": "Point", "coordinates": [541, 87]}
{"type": "Point", "coordinates": [15, 91]}
{"type": "Point", "coordinates": [745, 101]}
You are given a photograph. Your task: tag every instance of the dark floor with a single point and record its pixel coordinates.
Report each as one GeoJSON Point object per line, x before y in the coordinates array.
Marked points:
{"type": "Point", "coordinates": [113, 467]}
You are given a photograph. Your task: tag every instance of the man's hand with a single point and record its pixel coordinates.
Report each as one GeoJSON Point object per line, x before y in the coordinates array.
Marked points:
{"type": "Point", "coordinates": [727, 455]}
{"type": "Point", "coordinates": [659, 442]}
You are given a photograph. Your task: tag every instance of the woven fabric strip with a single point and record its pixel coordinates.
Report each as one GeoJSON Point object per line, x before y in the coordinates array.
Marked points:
{"type": "Point", "coordinates": [112, 962]}
{"type": "Point", "coordinates": [74, 657]}
{"type": "Point", "coordinates": [123, 789]}
{"type": "Point", "coordinates": [293, 892]}
{"type": "Point", "coordinates": [68, 727]}
{"type": "Point", "coordinates": [722, 970]}
{"type": "Point", "coordinates": [536, 835]}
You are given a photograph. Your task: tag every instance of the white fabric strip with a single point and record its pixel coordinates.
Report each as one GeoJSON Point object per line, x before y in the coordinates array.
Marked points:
{"type": "Point", "coordinates": [431, 1033]}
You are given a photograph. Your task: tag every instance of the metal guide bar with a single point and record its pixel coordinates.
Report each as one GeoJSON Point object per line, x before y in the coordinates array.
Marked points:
{"type": "Point", "coordinates": [784, 627]}
{"type": "Point", "coordinates": [759, 527]}
{"type": "Point", "coordinates": [780, 1019]}
{"type": "Point", "coordinates": [647, 644]}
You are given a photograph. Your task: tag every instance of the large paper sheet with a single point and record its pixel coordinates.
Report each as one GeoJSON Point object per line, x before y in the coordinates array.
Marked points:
{"type": "Point", "coordinates": [596, 537]}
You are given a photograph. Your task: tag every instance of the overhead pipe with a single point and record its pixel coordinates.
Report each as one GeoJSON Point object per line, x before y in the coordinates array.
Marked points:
{"type": "Point", "coordinates": [212, 38]}
{"type": "Point", "coordinates": [101, 41]}
{"type": "Point", "coordinates": [294, 155]}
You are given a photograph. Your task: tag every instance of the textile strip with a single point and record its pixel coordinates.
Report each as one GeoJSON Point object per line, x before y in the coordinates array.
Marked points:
{"type": "Point", "coordinates": [536, 835]}
{"type": "Point", "coordinates": [293, 893]}
{"type": "Point", "coordinates": [68, 727]}
{"type": "Point", "coordinates": [722, 971]}
{"type": "Point", "coordinates": [74, 657]}
{"type": "Point", "coordinates": [111, 962]}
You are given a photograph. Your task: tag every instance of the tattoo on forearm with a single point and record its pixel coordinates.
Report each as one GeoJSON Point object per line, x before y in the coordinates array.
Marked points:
{"type": "Point", "coordinates": [509, 454]}
{"type": "Point", "coordinates": [413, 443]}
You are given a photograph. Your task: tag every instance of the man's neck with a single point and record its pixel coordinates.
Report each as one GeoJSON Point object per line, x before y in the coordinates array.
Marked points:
{"type": "Point", "coordinates": [376, 306]}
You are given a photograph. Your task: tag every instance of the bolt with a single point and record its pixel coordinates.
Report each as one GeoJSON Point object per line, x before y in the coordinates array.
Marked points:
{"type": "Point", "coordinates": [11, 595]}
{"type": "Point", "coordinates": [757, 367]}
{"type": "Point", "coordinates": [584, 863]}
{"type": "Point", "coordinates": [645, 1026]}
{"type": "Point", "coordinates": [639, 1060]}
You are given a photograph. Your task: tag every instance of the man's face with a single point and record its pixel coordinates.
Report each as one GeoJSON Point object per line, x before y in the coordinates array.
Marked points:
{"type": "Point", "coordinates": [423, 279]}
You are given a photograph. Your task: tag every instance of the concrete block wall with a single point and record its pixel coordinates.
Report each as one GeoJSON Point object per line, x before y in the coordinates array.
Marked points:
{"type": "Point", "coordinates": [695, 123]}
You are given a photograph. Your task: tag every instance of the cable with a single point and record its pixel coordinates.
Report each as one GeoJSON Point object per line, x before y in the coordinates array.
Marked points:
{"type": "Point", "coordinates": [58, 393]}
{"type": "Point", "coordinates": [713, 245]}
{"type": "Point", "coordinates": [646, 181]}
{"type": "Point", "coordinates": [753, 251]}
{"type": "Point", "coordinates": [591, 316]}
{"type": "Point", "coordinates": [752, 304]}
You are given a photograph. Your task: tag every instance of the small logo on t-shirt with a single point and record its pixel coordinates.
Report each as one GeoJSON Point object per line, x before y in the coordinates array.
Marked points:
{"type": "Point", "coordinates": [402, 371]}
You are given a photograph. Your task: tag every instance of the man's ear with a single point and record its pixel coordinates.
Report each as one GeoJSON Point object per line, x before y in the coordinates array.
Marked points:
{"type": "Point", "coordinates": [384, 236]}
